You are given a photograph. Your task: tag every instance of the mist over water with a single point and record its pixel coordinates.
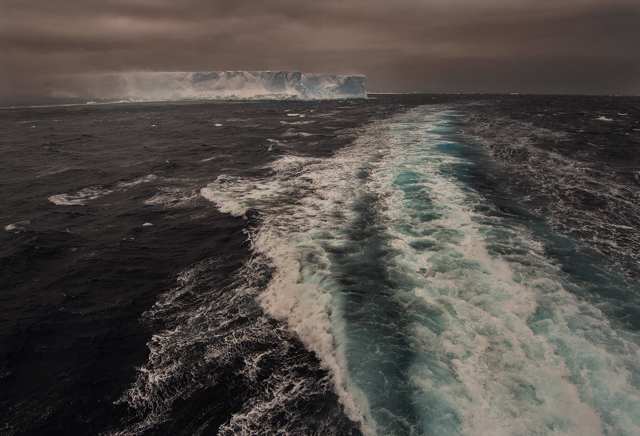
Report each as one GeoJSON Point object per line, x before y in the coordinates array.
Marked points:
{"type": "Point", "coordinates": [213, 85]}
{"type": "Point", "coordinates": [402, 265]}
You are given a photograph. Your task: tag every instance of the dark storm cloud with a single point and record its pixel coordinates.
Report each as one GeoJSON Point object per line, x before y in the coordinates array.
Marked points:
{"type": "Point", "coordinates": [577, 46]}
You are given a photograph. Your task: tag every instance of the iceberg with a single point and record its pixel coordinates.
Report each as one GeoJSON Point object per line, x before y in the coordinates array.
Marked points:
{"type": "Point", "coordinates": [229, 85]}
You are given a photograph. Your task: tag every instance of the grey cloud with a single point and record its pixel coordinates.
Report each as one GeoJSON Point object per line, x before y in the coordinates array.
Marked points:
{"type": "Point", "coordinates": [409, 45]}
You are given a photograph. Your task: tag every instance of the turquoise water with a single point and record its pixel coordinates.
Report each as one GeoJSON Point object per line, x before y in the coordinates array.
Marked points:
{"type": "Point", "coordinates": [436, 311]}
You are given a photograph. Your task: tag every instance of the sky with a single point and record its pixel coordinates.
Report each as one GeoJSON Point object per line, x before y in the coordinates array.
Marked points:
{"type": "Point", "coordinates": [527, 46]}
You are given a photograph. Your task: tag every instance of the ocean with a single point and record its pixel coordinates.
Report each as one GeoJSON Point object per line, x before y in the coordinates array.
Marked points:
{"type": "Point", "coordinates": [406, 264]}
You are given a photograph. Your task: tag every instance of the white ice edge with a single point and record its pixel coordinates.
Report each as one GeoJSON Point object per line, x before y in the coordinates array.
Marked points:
{"type": "Point", "coordinates": [229, 85]}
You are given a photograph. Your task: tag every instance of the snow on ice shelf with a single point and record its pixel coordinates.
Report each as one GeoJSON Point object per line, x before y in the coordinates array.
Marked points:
{"type": "Point", "coordinates": [230, 85]}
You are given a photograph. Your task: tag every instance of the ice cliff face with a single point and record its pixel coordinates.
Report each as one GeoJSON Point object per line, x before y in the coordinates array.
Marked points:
{"type": "Point", "coordinates": [230, 85]}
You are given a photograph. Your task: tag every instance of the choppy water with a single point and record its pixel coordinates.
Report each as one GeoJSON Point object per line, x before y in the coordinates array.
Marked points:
{"type": "Point", "coordinates": [410, 264]}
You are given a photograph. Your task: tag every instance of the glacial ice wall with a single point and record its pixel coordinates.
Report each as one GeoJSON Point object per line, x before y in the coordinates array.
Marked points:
{"type": "Point", "coordinates": [230, 85]}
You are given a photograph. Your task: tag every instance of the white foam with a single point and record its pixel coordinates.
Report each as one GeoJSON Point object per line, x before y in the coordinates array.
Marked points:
{"type": "Point", "coordinates": [80, 198]}
{"type": "Point", "coordinates": [17, 227]}
{"type": "Point", "coordinates": [502, 359]}
{"type": "Point", "coordinates": [560, 183]}
{"type": "Point", "coordinates": [506, 372]}
{"type": "Point", "coordinates": [292, 133]}
{"type": "Point", "coordinates": [173, 197]}
{"type": "Point", "coordinates": [213, 333]}
{"type": "Point", "coordinates": [145, 179]}
{"type": "Point", "coordinates": [296, 122]}
{"type": "Point", "coordinates": [301, 198]}
{"type": "Point", "coordinates": [53, 170]}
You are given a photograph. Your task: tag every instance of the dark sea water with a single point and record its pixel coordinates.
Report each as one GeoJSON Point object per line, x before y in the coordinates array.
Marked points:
{"type": "Point", "coordinates": [401, 265]}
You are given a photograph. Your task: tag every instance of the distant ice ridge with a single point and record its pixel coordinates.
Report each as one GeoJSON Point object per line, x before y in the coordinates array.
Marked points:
{"type": "Point", "coordinates": [230, 85]}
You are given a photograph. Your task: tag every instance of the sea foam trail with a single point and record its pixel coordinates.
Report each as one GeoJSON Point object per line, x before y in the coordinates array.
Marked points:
{"type": "Point", "coordinates": [229, 85]}
{"type": "Point", "coordinates": [434, 313]}
{"type": "Point", "coordinates": [500, 344]}
{"type": "Point", "coordinates": [292, 205]}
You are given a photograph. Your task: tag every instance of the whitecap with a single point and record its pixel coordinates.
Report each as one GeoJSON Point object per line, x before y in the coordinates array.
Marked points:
{"type": "Point", "coordinates": [80, 198]}
{"type": "Point", "coordinates": [17, 227]}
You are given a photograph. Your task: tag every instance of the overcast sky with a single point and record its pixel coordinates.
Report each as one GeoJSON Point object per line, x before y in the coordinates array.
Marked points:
{"type": "Point", "coordinates": [541, 46]}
